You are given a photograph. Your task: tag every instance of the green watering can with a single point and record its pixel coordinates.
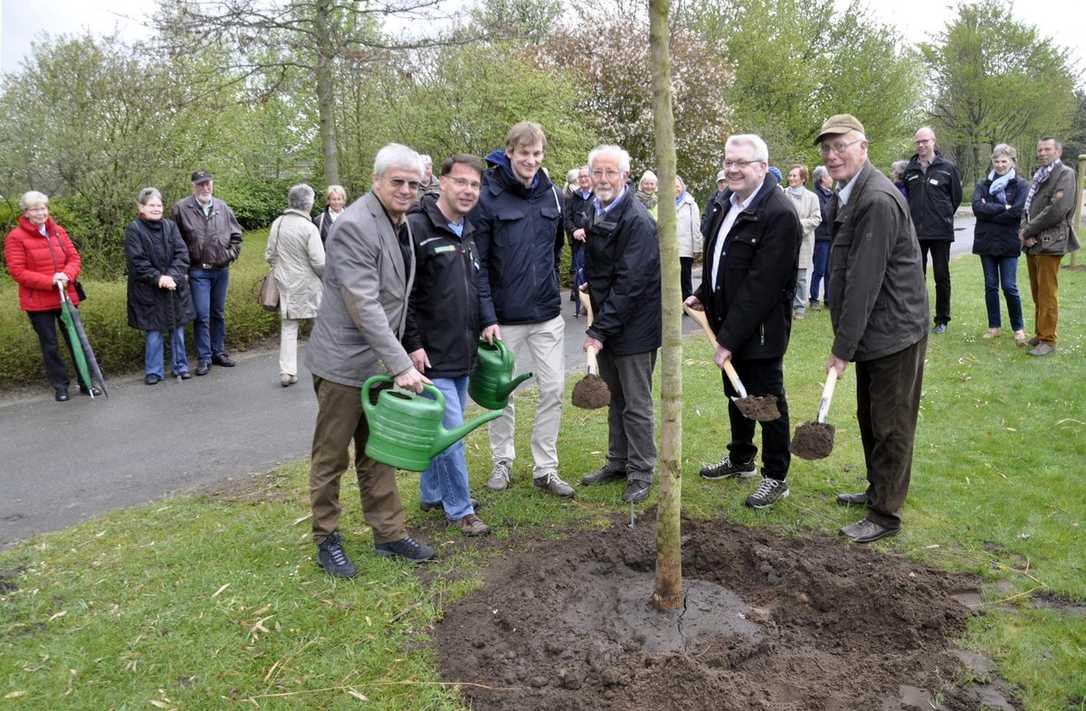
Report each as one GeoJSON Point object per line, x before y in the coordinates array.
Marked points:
{"type": "Point", "coordinates": [492, 381]}
{"type": "Point", "coordinates": [405, 429]}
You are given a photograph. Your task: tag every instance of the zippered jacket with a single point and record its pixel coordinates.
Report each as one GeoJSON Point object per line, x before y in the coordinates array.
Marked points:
{"type": "Point", "coordinates": [32, 260]}
{"type": "Point", "coordinates": [214, 240]}
{"type": "Point", "coordinates": [933, 197]}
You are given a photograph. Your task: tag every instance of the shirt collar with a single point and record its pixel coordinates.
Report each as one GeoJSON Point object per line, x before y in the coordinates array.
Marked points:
{"type": "Point", "coordinates": [600, 210]}
{"type": "Point", "coordinates": [743, 205]}
{"type": "Point", "coordinates": [844, 193]}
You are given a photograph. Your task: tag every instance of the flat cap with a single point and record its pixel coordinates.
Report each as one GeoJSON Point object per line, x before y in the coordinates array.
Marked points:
{"type": "Point", "coordinates": [838, 124]}
{"type": "Point", "coordinates": [201, 176]}
{"type": "Point", "coordinates": [722, 175]}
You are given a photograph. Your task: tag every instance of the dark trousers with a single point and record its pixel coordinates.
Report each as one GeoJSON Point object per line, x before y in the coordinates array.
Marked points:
{"type": "Point", "coordinates": [686, 265]}
{"type": "Point", "coordinates": [940, 266]}
{"type": "Point", "coordinates": [820, 272]}
{"type": "Point", "coordinates": [339, 420]}
{"type": "Point", "coordinates": [760, 377]}
{"type": "Point", "coordinates": [631, 426]}
{"type": "Point", "coordinates": [887, 404]}
{"type": "Point", "coordinates": [45, 325]}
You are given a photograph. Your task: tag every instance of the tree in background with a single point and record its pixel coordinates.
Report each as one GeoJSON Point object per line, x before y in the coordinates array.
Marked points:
{"type": "Point", "coordinates": [996, 80]}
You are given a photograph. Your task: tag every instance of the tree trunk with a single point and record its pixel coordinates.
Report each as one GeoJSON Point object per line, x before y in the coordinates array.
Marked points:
{"type": "Point", "coordinates": [326, 98]}
{"type": "Point", "coordinates": [669, 574]}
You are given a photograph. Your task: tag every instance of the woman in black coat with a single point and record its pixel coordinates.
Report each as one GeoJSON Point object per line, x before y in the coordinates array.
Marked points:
{"type": "Point", "coordinates": [159, 299]}
{"type": "Point", "coordinates": [998, 201]}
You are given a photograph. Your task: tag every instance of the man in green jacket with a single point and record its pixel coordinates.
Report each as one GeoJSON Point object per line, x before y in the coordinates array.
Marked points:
{"type": "Point", "coordinates": [879, 312]}
{"type": "Point", "coordinates": [1047, 233]}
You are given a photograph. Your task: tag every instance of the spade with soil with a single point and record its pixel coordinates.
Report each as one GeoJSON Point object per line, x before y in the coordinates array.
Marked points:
{"type": "Point", "coordinates": [814, 440]}
{"type": "Point", "coordinates": [762, 408]}
{"type": "Point", "coordinates": [591, 391]}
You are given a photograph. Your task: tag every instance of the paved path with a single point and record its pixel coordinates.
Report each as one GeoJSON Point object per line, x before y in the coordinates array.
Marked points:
{"type": "Point", "coordinates": [61, 463]}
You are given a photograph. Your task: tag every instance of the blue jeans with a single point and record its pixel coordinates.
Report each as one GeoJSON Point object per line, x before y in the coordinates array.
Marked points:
{"type": "Point", "coordinates": [1002, 271]}
{"type": "Point", "coordinates": [820, 273]}
{"type": "Point", "coordinates": [446, 479]}
{"type": "Point", "coordinates": [152, 353]}
{"type": "Point", "coordinates": [209, 297]}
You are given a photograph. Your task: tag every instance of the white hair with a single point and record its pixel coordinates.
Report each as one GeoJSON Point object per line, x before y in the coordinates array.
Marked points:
{"type": "Point", "coordinates": [147, 194]}
{"type": "Point", "coordinates": [333, 190]}
{"type": "Point", "coordinates": [426, 160]}
{"type": "Point", "coordinates": [300, 197]}
{"type": "Point", "coordinates": [32, 198]}
{"type": "Point", "coordinates": [396, 155]}
{"type": "Point", "coordinates": [648, 175]}
{"type": "Point", "coordinates": [611, 150]}
{"type": "Point", "coordinates": [819, 171]}
{"type": "Point", "coordinates": [761, 150]}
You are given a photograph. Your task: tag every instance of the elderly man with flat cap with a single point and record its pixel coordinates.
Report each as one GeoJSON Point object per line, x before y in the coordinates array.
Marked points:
{"type": "Point", "coordinates": [879, 312]}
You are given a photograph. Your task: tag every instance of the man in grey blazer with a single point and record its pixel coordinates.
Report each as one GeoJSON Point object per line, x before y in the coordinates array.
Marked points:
{"type": "Point", "coordinates": [367, 283]}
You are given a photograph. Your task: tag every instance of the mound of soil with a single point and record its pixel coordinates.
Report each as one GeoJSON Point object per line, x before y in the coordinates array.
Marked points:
{"type": "Point", "coordinates": [591, 392]}
{"type": "Point", "coordinates": [762, 408]}
{"type": "Point", "coordinates": [813, 440]}
{"type": "Point", "coordinates": [770, 622]}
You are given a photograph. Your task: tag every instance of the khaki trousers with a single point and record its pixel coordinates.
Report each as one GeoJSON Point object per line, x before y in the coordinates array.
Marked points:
{"type": "Point", "coordinates": [1044, 285]}
{"type": "Point", "coordinates": [339, 420]}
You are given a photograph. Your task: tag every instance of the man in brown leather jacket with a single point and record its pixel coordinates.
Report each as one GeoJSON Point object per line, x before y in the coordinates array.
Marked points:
{"type": "Point", "coordinates": [879, 312]}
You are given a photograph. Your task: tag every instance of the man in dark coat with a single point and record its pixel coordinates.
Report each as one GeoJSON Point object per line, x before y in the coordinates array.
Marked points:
{"type": "Point", "coordinates": [748, 283]}
{"type": "Point", "coordinates": [879, 313]}
{"type": "Point", "coordinates": [934, 188]}
{"type": "Point", "coordinates": [578, 216]}
{"type": "Point", "coordinates": [623, 273]}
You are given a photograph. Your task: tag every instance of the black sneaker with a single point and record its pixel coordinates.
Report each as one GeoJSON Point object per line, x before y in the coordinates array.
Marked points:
{"type": "Point", "coordinates": [223, 360]}
{"type": "Point", "coordinates": [407, 548]}
{"type": "Point", "coordinates": [769, 492]}
{"type": "Point", "coordinates": [727, 469]}
{"type": "Point", "coordinates": [331, 557]}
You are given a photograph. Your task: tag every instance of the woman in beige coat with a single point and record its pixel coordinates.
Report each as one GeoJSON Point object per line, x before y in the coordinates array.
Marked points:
{"type": "Point", "coordinates": [688, 231]}
{"type": "Point", "coordinates": [296, 255]}
{"type": "Point", "coordinates": [810, 216]}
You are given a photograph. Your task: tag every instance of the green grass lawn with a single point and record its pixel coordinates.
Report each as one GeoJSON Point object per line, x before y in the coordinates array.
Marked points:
{"type": "Point", "coordinates": [199, 602]}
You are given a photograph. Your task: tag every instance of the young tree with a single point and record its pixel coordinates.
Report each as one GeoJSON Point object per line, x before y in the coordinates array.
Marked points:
{"type": "Point", "coordinates": [669, 573]}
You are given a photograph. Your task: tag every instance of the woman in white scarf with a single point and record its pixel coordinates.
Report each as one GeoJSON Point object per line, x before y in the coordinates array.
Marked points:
{"type": "Point", "coordinates": [810, 216]}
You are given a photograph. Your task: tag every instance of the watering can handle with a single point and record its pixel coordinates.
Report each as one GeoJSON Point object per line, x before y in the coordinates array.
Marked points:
{"type": "Point", "coordinates": [367, 406]}
{"type": "Point", "coordinates": [827, 395]}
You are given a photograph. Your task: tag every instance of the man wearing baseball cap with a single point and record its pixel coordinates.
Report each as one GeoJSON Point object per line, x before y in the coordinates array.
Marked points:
{"type": "Point", "coordinates": [879, 311]}
{"type": "Point", "coordinates": [213, 237]}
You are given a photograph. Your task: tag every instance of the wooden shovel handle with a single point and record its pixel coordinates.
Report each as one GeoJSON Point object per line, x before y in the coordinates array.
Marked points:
{"type": "Point", "coordinates": [827, 395]}
{"type": "Point", "coordinates": [590, 361]}
{"type": "Point", "coordinates": [729, 369]}
{"type": "Point", "coordinates": [586, 304]}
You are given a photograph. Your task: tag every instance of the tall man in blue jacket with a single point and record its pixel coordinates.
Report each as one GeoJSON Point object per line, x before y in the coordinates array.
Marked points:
{"type": "Point", "coordinates": [519, 234]}
{"type": "Point", "coordinates": [747, 286]}
{"type": "Point", "coordinates": [622, 266]}
{"type": "Point", "coordinates": [934, 189]}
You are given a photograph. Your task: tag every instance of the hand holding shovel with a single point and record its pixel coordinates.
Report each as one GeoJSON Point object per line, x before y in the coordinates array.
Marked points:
{"type": "Point", "coordinates": [814, 440]}
{"type": "Point", "coordinates": [590, 392]}
{"type": "Point", "coordinates": [762, 408]}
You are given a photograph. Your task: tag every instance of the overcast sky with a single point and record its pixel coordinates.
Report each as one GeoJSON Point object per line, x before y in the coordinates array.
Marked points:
{"type": "Point", "coordinates": [23, 20]}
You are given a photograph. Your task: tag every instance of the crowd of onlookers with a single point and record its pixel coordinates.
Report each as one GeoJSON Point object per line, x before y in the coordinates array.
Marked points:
{"type": "Point", "coordinates": [406, 281]}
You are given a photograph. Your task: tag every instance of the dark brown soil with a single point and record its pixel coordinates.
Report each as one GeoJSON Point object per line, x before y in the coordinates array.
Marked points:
{"type": "Point", "coordinates": [762, 408]}
{"type": "Point", "coordinates": [770, 622]}
{"type": "Point", "coordinates": [813, 440]}
{"type": "Point", "coordinates": [591, 392]}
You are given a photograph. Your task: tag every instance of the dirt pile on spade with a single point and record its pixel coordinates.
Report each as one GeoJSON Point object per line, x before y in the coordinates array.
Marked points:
{"type": "Point", "coordinates": [770, 622]}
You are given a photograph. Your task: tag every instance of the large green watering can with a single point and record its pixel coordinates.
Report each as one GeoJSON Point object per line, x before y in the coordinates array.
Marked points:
{"type": "Point", "coordinates": [405, 429]}
{"type": "Point", "coordinates": [492, 381]}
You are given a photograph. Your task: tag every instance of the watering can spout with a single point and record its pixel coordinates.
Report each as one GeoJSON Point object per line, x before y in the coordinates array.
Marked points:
{"type": "Point", "coordinates": [445, 438]}
{"type": "Point", "coordinates": [506, 390]}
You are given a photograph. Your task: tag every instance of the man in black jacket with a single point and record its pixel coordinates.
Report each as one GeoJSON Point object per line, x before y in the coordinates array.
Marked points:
{"type": "Point", "coordinates": [622, 266]}
{"type": "Point", "coordinates": [879, 312]}
{"type": "Point", "coordinates": [578, 217]}
{"type": "Point", "coordinates": [934, 188]}
{"type": "Point", "coordinates": [442, 331]}
{"type": "Point", "coordinates": [748, 283]}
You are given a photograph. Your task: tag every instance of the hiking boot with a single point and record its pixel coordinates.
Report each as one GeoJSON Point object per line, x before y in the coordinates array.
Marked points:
{"type": "Point", "coordinates": [552, 484]}
{"type": "Point", "coordinates": [332, 558]}
{"type": "Point", "coordinates": [1042, 349]}
{"type": "Point", "coordinates": [499, 476]}
{"type": "Point", "coordinates": [727, 469]}
{"type": "Point", "coordinates": [407, 548]}
{"type": "Point", "coordinates": [603, 475]}
{"type": "Point", "coordinates": [428, 506]}
{"type": "Point", "coordinates": [769, 492]}
{"type": "Point", "coordinates": [472, 525]}
{"type": "Point", "coordinates": [636, 491]}
{"type": "Point", "coordinates": [202, 367]}
{"type": "Point", "coordinates": [224, 360]}
{"type": "Point", "coordinates": [866, 531]}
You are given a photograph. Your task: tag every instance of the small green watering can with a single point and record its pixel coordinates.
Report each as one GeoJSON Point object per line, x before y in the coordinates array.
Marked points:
{"type": "Point", "coordinates": [405, 429]}
{"type": "Point", "coordinates": [492, 381]}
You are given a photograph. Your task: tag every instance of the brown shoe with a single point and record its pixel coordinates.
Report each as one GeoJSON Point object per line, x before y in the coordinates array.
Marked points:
{"type": "Point", "coordinates": [472, 525]}
{"type": "Point", "coordinates": [1042, 349]}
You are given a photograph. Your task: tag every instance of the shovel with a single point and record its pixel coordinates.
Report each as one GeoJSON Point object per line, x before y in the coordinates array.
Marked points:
{"type": "Point", "coordinates": [762, 408]}
{"type": "Point", "coordinates": [814, 440]}
{"type": "Point", "coordinates": [590, 392]}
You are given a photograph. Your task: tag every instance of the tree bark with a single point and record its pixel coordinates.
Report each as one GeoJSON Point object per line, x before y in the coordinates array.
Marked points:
{"type": "Point", "coordinates": [669, 575]}
{"type": "Point", "coordinates": [326, 98]}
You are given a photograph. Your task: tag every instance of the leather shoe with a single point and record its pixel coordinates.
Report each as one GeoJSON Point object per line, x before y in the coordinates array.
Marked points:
{"type": "Point", "coordinates": [202, 367]}
{"type": "Point", "coordinates": [859, 499]}
{"type": "Point", "coordinates": [603, 476]}
{"type": "Point", "coordinates": [636, 491]}
{"type": "Point", "coordinates": [151, 379]}
{"type": "Point", "coordinates": [61, 395]}
{"type": "Point", "coordinates": [867, 531]}
{"type": "Point", "coordinates": [92, 390]}
{"type": "Point", "coordinates": [223, 360]}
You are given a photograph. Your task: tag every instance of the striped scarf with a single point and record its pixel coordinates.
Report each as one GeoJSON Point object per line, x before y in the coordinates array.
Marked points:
{"type": "Point", "coordinates": [1038, 179]}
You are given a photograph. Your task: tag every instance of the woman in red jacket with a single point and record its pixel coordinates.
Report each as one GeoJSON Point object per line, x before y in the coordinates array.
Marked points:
{"type": "Point", "coordinates": [40, 257]}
